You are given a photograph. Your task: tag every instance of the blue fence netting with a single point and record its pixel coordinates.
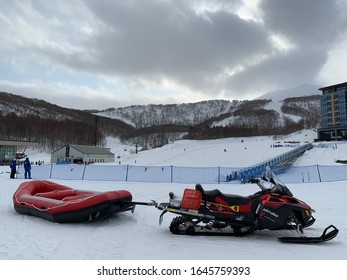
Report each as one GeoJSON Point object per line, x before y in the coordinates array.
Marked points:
{"type": "Point", "coordinates": [280, 165]}
{"type": "Point", "coordinates": [176, 174]}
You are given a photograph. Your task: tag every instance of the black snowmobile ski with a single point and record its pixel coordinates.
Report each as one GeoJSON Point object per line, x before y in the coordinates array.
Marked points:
{"type": "Point", "coordinates": [326, 236]}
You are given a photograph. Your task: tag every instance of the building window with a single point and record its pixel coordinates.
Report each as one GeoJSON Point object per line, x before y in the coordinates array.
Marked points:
{"type": "Point", "coordinates": [7, 153]}
{"type": "Point", "coordinates": [67, 152]}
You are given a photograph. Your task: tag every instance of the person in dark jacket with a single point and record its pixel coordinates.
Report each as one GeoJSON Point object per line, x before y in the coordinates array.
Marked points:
{"type": "Point", "coordinates": [27, 169]}
{"type": "Point", "coordinates": [13, 166]}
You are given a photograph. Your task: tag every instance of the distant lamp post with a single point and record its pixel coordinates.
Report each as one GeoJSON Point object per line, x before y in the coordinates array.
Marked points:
{"type": "Point", "coordinates": [96, 130]}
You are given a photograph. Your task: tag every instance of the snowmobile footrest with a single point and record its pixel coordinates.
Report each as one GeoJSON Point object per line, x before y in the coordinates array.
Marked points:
{"type": "Point", "coordinates": [329, 233]}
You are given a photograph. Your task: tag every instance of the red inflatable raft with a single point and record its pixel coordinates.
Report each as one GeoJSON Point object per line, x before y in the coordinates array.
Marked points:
{"type": "Point", "coordinates": [59, 203]}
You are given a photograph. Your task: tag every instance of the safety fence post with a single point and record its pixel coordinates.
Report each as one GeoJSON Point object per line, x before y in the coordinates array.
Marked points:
{"type": "Point", "coordinates": [84, 171]}
{"type": "Point", "coordinates": [50, 173]}
{"type": "Point", "coordinates": [320, 179]}
{"type": "Point", "coordinates": [171, 179]}
{"type": "Point", "coordinates": [126, 174]}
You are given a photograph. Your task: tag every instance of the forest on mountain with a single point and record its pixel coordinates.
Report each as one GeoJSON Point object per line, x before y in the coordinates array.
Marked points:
{"type": "Point", "coordinates": [27, 119]}
{"type": "Point", "coordinates": [306, 107]}
{"type": "Point", "coordinates": [151, 125]}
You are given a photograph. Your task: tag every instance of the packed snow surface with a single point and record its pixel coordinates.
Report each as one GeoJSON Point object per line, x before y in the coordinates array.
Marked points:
{"type": "Point", "coordinates": [138, 236]}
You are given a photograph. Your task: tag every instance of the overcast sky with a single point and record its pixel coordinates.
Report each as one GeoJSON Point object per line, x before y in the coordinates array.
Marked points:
{"type": "Point", "coordinates": [96, 54]}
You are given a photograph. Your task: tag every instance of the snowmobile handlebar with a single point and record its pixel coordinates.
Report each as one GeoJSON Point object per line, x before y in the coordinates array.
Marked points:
{"type": "Point", "coordinates": [257, 181]}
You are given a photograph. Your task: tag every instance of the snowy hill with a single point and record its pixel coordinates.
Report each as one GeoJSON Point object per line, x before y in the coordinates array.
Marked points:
{"type": "Point", "coordinates": [195, 113]}
{"type": "Point", "coordinates": [298, 91]}
{"type": "Point", "coordinates": [148, 115]}
{"type": "Point", "coordinates": [227, 152]}
{"type": "Point", "coordinates": [51, 125]}
{"type": "Point", "coordinates": [178, 114]}
{"type": "Point", "coordinates": [155, 125]}
{"type": "Point", "coordinates": [297, 103]}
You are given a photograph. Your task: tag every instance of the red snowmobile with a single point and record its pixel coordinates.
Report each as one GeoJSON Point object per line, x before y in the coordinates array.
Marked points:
{"type": "Point", "coordinates": [214, 213]}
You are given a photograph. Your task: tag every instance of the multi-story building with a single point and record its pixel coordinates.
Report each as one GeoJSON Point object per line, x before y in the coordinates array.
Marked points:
{"type": "Point", "coordinates": [333, 112]}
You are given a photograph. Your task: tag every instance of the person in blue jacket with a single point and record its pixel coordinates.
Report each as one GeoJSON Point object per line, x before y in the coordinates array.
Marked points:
{"type": "Point", "coordinates": [27, 169]}
{"type": "Point", "coordinates": [13, 166]}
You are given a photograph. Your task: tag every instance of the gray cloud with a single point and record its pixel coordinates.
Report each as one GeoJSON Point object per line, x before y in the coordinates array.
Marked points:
{"type": "Point", "coordinates": [280, 71]}
{"type": "Point", "coordinates": [168, 39]}
{"type": "Point", "coordinates": [311, 27]}
{"type": "Point", "coordinates": [202, 46]}
{"type": "Point", "coordinates": [306, 22]}
{"type": "Point", "coordinates": [155, 39]}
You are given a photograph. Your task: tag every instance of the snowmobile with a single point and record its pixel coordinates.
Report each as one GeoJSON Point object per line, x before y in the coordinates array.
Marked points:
{"type": "Point", "coordinates": [211, 212]}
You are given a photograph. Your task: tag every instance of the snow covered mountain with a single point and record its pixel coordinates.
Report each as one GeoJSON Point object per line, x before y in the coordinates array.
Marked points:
{"type": "Point", "coordinates": [219, 112]}
{"type": "Point", "coordinates": [278, 112]}
{"type": "Point", "coordinates": [298, 91]}
{"type": "Point", "coordinates": [177, 114]}
{"type": "Point", "coordinates": [223, 112]}
{"type": "Point", "coordinates": [52, 126]}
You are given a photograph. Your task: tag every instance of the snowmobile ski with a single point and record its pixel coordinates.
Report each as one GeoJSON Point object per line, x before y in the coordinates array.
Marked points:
{"type": "Point", "coordinates": [329, 233]}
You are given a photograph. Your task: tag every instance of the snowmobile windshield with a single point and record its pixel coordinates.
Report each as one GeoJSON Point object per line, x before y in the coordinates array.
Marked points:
{"type": "Point", "coordinates": [278, 186]}
{"type": "Point", "coordinates": [281, 189]}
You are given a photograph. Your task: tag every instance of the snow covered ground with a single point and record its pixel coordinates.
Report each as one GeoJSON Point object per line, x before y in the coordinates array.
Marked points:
{"type": "Point", "coordinates": [228, 152]}
{"type": "Point", "coordinates": [137, 236]}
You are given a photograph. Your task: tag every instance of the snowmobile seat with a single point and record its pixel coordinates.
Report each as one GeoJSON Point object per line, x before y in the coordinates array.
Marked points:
{"type": "Point", "coordinates": [208, 195]}
{"type": "Point", "coordinates": [231, 199]}
{"type": "Point", "coordinates": [199, 188]}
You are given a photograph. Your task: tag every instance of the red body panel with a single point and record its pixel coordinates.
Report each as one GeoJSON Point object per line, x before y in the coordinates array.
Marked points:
{"type": "Point", "coordinates": [246, 208]}
{"type": "Point", "coordinates": [277, 200]}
